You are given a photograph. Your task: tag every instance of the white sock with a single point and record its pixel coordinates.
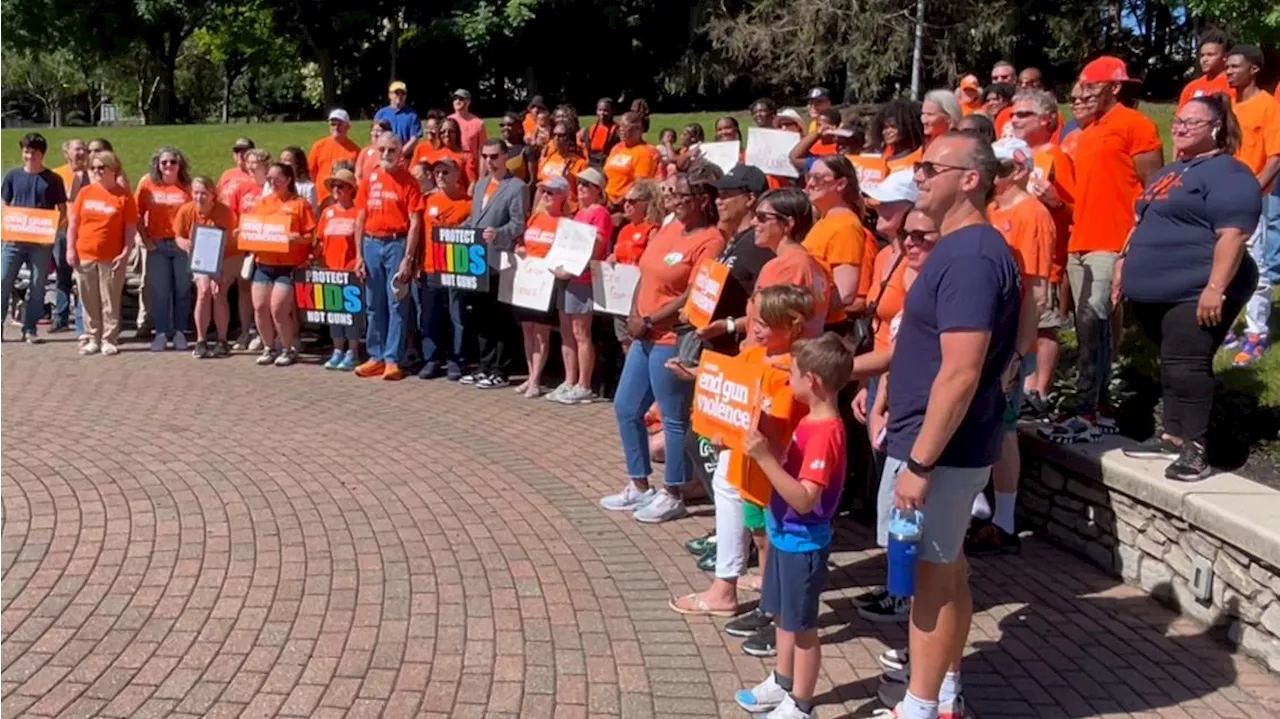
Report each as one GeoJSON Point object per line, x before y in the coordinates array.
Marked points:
{"type": "Point", "coordinates": [981, 509]}
{"type": "Point", "coordinates": [914, 708]}
{"type": "Point", "coordinates": [1006, 503]}
{"type": "Point", "coordinates": [951, 688]}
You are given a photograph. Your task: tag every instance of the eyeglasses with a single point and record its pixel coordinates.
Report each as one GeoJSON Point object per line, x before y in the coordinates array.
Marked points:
{"type": "Point", "coordinates": [1190, 123]}
{"type": "Point", "coordinates": [97, 168]}
{"type": "Point", "coordinates": [929, 170]}
{"type": "Point", "coordinates": [763, 217]}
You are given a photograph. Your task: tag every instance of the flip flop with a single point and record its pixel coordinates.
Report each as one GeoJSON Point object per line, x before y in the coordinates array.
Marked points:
{"type": "Point", "coordinates": [700, 608]}
{"type": "Point", "coordinates": [750, 582]}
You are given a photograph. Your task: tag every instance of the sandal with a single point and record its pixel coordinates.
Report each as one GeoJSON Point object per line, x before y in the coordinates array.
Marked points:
{"type": "Point", "coordinates": [750, 582]}
{"type": "Point", "coordinates": [696, 606]}
{"type": "Point", "coordinates": [533, 392]}
{"type": "Point", "coordinates": [520, 388]}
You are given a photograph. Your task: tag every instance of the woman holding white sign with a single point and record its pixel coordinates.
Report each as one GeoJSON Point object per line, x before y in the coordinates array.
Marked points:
{"type": "Point", "coordinates": [273, 301]}
{"type": "Point", "coordinates": [539, 234]}
{"type": "Point", "coordinates": [205, 210]}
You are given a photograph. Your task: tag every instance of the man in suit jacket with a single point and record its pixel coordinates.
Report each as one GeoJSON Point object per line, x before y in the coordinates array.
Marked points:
{"type": "Point", "coordinates": [497, 208]}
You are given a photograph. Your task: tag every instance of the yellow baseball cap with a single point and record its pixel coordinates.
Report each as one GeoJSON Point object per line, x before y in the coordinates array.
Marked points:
{"type": "Point", "coordinates": [398, 86]}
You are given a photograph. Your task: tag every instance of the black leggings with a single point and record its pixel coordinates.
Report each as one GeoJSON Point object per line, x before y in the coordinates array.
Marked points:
{"type": "Point", "coordinates": [1186, 361]}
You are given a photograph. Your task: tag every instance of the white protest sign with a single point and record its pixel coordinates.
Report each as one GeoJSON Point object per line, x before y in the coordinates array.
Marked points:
{"type": "Point", "coordinates": [526, 283]}
{"type": "Point", "coordinates": [573, 247]}
{"type": "Point", "coordinates": [613, 287]}
{"type": "Point", "coordinates": [770, 150]}
{"type": "Point", "coordinates": [725, 155]}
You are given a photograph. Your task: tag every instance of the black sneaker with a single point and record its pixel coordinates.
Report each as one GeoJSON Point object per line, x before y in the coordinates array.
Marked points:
{"type": "Point", "coordinates": [988, 539]}
{"type": "Point", "coordinates": [748, 624]}
{"type": "Point", "coordinates": [763, 643]}
{"type": "Point", "coordinates": [1073, 430]}
{"type": "Point", "coordinates": [1154, 448]}
{"type": "Point", "coordinates": [866, 599]}
{"type": "Point", "coordinates": [221, 349]}
{"type": "Point", "coordinates": [890, 609]}
{"type": "Point", "coordinates": [430, 370]}
{"type": "Point", "coordinates": [1191, 465]}
{"type": "Point", "coordinates": [201, 350]}
{"type": "Point", "coordinates": [698, 546]}
{"type": "Point", "coordinates": [1034, 406]}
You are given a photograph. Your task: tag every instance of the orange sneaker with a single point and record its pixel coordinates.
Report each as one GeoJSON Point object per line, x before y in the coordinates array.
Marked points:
{"type": "Point", "coordinates": [370, 368]}
{"type": "Point", "coordinates": [392, 373]}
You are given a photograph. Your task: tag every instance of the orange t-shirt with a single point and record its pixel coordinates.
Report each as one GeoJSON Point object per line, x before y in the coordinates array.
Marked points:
{"type": "Point", "coordinates": [1054, 166]}
{"type": "Point", "coordinates": [539, 234]}
{"type": "Point", "coordinates": [779, 415]}
{"type": "Point", "coordinates": [1202, 86]}
{"type": "Point", "coordinates": [158, 204]}
{"type": "Point", "coordinates": [325, 153]}
{"type": "Point", "coordinates": [302, 221]}
{"type": "Point", "coordinates": [336, 234]}
{"type": "Point", "coordinates": [425, 153]}
{"type": "Point", "coordinates": [229, 182]}
{"type": "Point", "coordinates": [1002, 122]}
{"type": "Point", "coordinates": [246, 198]}
{"type": "Point", "coordinates": [221, 217]}
{"type": "Point", "coordinates": [554, 164]}
{"type": "Point", "coordinates": [1028, 228]}
{"type": "Point", "coordinates": [632, 239]}
{"type": "Point", "coordinates": [101, 217]}
{"type": "Point", "coordinates": [837, 239]}
{"type": "Point", "coordinates": [870, 248]}
{"type": "Point", "coordinates": [1106, 183]}
{"type": "Point", "coordinates": [905, 161]}
{"type": "Point", "coordinates": [1259, 119]}
{"type": "Point", "coordinates": [871, 168]}
{"type": "Point", "coordinates": [666, 268]}
{"type": "Point", "coordinates": [388, 200]}
{"type": "Point", "coordinates": [797, 267]}
{"type": "Point", "coordinates": [891, 301]}
{"type": "Point", "coordinates": [626, 165]}
{"type": "Point", "coordinates": [1070, 141]}
{"type": "Point", "coordinates": [366, 161]}
{"type": "Point", "coordinates": [440, 210]}
{"type": "Point", "coordinates": [530, 123]}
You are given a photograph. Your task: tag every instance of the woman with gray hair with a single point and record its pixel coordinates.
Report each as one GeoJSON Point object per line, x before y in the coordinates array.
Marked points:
{"type": "Point", "coordinates": [166, 264]}
{"type": "Point", "coordinates": [939, 113]}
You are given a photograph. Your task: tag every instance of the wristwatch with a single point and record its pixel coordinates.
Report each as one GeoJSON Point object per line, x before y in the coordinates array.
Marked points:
{"type": "Point", "coordinates": [648, 323]}
{"type": "Point", "coordinates": [918, 469]}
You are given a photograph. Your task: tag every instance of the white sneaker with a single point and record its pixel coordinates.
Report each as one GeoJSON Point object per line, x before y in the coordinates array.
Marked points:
{"type": "Point", "coordinates": [894, 659]}
{"type": "Point", "coordinates": [664, 507]}
{"type": "Point", "coordinates": [554, 395]}
{"type": "Point", "coordinates": [286, 358]}
{"type": "Point", "coordinates": [90, 348]}
{"type": "Point", "coordinates": [575, 394]}
{"type": "Point", "coordinates": [763, 697]}
{"type": "Point", "coordinates": [267, 357]}
{"type": "Point", "coordinates": [788, 710]}
{"type": "Point", "coordinates": [255, 344]}
{"type": "Point", "coordinates": [158, 343]}
{"type": "Point", "coordinates": [109, 349]}
{"type": "Point", "coordinates": [896, 676]}
{"type": "Point", "coordinates": [628, 500]}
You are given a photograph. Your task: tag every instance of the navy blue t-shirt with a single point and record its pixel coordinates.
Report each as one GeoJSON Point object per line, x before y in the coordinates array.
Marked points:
{"type": "Point", "coordinates": [42, 191]}
{"type": "Point", "coordinates": [1179, 213]}
{"type": "Point", "coordinates": [970, 282]}
{"type": "Point", "coordinates": [404, 122]}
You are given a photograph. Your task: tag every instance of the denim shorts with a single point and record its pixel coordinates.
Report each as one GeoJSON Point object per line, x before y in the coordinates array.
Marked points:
{"type": "Point", "coordinates": [575, 299]}
{"type": "Point", "coordinates": [791, 586]}
{"type": "Point", "coordinates": [272, 275]}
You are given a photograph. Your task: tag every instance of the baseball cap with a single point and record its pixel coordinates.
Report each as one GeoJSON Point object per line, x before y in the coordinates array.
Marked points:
{"type": "Point", "coordinates": [1106, 68]}
{"type": "Point", "coordinates": [241, 144]}
{"type": "Point", "coordinates": [970, 82]}
{"type": "Point", "coordinates": [556, 184]}
{"type": "Point", "coordinates": [398, 86]}
{"type": "Point", "coordinates": [792, 115]}
{"type": "Point", "coordinates": [537, 102]}
{"type": "Point", "coordinates": [819, 93]}
{"type": "Point", "coordinates": [899, 186]}
{"type": "Point", "coordinates": [743, 177]}
{"type": "Point", "coordinates": [344, 176]}
{"type": "Point", "coordinates": [340, 115]}
{"type": "Point", "coordinates": [1011, 149]}
{"type": "Point", "coordinates": [464, 94]}
{"type": "Point", "coordinates": [591, 176]}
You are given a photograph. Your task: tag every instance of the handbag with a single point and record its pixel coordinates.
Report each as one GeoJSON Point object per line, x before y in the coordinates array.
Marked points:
{"type": "Point", "coordinates": [864, 328]}
{"type": "Point", "coordinates": [688, 344]}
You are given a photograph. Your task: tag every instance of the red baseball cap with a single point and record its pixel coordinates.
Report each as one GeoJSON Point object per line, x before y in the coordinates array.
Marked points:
{"type": "Point", "coordinates": [1106, 68]}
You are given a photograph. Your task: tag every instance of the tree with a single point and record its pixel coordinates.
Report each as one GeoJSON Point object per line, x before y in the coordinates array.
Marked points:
{"type": "Point", "coordinates": [239, 38]}
{"type": "Point", "coordinates": [48, 77]}
{"type": "Point", "coordinates": [163, 25]}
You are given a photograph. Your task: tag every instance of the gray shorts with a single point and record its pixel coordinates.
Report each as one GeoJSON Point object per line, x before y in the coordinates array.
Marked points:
{"type": "Point", "coordinates": [575, 299]}
{"type": "Point", "coordinates": [947, 507]}
{"type": "Point", "coordinates": [1052, 317]}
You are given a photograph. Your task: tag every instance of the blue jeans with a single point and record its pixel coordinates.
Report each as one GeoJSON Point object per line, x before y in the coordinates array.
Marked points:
{"type": "Point", "coordinates": [1271, 257]}
{"type": "Point", "coordinates": [387, 318]}
{"type": "Point", "coordinates": [63, 282]}
{"type": "Point", "coordinates": [168, 271]}
{"type": "Point", "coordinates": [436, 305]}
{"type": "Point", "coordinates": [645, 379]}
{"type": "Point", "coordinates": [37, 257]}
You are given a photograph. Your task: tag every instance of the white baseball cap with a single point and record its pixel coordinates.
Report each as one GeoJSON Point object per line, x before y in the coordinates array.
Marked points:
{"type": "Point", "coordinates": [899, 186]}
{"type": "Point", "coordinates": [340, 115]}
{"type": "Point", "coordinates": [1011, 149]}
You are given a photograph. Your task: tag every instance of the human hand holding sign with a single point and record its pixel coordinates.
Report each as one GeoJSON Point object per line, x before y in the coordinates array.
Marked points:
{"type": "Point", "coordinates": [757, 445]}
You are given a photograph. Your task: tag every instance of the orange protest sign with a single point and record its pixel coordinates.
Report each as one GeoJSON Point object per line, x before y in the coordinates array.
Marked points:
{"type": "Point", "coordinates": [265, 233]}
{"type": "Point", "coordinates": [726, 399]}
{"type": "Point", "coordinates": [27, 224]}
{"type": "Point", "coordinates": [708, 283]}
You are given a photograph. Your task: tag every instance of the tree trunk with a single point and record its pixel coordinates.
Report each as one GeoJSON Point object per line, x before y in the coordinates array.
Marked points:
{"type": "Point", "coordinates": [328, 76]}
{"type": "Point", "coordinates": [394, 37]}
{"type": "Point", "coordinates": [228, 79]}
{"type": "Point", "coordinates": [168, 99]}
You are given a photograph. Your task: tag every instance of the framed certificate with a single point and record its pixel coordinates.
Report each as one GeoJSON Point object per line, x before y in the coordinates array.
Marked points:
{"type": "Point", "coordinates": [206, 250]}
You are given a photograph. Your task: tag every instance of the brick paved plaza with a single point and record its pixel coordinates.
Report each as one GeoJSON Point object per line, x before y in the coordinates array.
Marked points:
{"type": "Point", "coordinates": [217, 539]}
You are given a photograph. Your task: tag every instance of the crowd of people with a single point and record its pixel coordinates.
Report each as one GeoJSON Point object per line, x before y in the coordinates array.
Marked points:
{"type": "Point", "coordinates": [901, 301]}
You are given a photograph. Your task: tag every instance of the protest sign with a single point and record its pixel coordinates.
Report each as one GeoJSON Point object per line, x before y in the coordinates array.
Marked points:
{"type": "Point", "coordinates": [573, 247]}
{"type": "Point", "coordinates": [725, 155]}
{"type": "Point", "coordinates": [329, 297]}
{"type": "Point", "coordinates": [206, 250]}
{"type": "Point", "coordinates": [770, 150]}
{"type": "Point", "coordinates": [28, 225]}
{"type": "Point", "coordinates": [726, 399]}
{"type": "Point", "coordinates": [265, 233]}
{"type": "Point", "coordinates": [525, 282]}
{"type": "Point", "coordinates": [457, 257]}
{"type": "Point", "coordinates": [708, 283]}
{"type": "Point", "coordinates": [613, 287]}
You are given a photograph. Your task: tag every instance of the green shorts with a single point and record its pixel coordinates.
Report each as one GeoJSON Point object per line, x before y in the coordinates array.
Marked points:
{"type": "Point", "coordinates": [752, 516]}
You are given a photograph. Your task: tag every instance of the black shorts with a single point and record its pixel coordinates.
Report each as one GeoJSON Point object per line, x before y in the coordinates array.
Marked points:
{"type": "Point", "coordinates": [791, 585]}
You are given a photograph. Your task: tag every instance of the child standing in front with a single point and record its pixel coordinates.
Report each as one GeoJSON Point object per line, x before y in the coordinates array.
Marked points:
{"type": "Point", "coordinates": [806, 491]}
{"type": "Point", "coordinates": [337, 251]}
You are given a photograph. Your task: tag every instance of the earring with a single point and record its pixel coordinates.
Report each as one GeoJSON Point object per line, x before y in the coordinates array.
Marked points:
{"type": "Point", "coordinates": [1214, 133]}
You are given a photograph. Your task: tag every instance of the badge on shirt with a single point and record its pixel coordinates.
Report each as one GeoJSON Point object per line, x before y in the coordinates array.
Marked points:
{"type": "Point", "coordinates": [673, 258]}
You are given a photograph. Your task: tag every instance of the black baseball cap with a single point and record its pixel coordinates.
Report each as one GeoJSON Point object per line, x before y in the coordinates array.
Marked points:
{"type": "Point", "coordinates": [747, 178]}
{"type": "Point", "coordinates": [819, 93]}
{"type": "Point", "coordinates": [242, 144]}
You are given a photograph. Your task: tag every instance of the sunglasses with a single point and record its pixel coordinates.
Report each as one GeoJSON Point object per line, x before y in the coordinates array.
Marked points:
{"type": "Point", "coordinates": [97, 168]}
{"type": "Point", "coordinates": [929, 170]}
{"type": "Point", "coordinates": [560, 135]}
{"type": "Point", "coordinates": [167, 163]}
{"type": "Point", "coordinates": [920, 237]}
{"type": "Point", "coordinates": [487, 156]}
{"type": "Point", "coordinates": [764, 217]}
{"type": "Point", "coordinates": [633, 200]}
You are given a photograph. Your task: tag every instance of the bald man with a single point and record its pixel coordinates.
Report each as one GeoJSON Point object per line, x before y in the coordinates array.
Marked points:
{"type": "Point", "coordinates": [1031, 79]}
{"type": "Point", "coordinates": [1004, 72]}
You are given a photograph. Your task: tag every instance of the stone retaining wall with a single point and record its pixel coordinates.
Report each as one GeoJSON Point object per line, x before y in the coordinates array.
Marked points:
{"type": "Point", "coordinates": [1150, 547]}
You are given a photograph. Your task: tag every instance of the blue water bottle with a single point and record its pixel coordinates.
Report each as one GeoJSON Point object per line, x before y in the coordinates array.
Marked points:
{"type": "Point", "coordinates": [904, 543]}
